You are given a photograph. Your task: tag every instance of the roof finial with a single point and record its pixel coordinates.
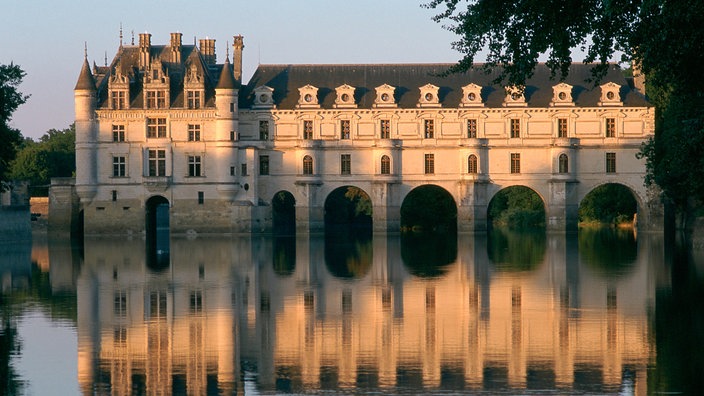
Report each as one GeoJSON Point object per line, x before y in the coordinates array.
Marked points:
{"type": "Point", "coordinates": [106, 58]}
{"type": "Point", "coordinates": [227, 51]}
{"type": "Point", "coordinates": [132, 36]}
{"type": "Point", "coordinates": [120, 34]}
{"type": "Point", "coordinates": [85, 50]}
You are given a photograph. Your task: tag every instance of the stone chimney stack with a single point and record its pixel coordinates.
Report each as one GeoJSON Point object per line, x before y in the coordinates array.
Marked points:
{"type": "Point", "coordinates": [145, 47]}
{"type": "Point", "coordinates": [638, 77]}
{"type": "Point", "coordinates": [176, 47]}
{"type": "Point", "coordinates": [237, 47]}
{"type": "Point", "coordinates": [207, 49]}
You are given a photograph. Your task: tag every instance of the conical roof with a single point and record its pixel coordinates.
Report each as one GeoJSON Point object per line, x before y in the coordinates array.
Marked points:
{"type": "Point", "coordinates": [85, 79]}
{"type": "Point", "coordinates": [227, 80]}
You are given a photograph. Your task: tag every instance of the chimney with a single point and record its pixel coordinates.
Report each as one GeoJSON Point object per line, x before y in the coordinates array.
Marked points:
{"type": "Point", "coordinates": [237, 47]}
{"type": "Point", "coordinates": [145, 46]}
{"type": "Point", "coordinates": [176, 47]}
{"type": "Point", "coordinates": [638, 77]}
{"type": "Point", "coordinates": [207, 49]}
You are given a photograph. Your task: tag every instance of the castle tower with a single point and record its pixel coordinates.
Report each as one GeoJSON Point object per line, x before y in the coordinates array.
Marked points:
{"type": "Point", "coordinates": [85, 99]}
{"type": "Point", "coordinates": [226, 130]}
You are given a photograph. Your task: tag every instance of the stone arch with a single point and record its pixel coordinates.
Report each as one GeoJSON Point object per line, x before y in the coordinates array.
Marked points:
{"type": "Point", "coordinates": [283, 213]}
{"type": "Point", "coordinates": [640, 209]}
{"type": "Point", "coordinates": [348, 205]}
{"type": "Point", "coordinates": [429, 207]}
{"type": "Point", "coordinates": [498, 195]}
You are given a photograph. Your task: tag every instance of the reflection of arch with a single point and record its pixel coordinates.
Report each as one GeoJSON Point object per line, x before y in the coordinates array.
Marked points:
{"type": "Point", "coordinates": [429, 208]}
{"type": "Point", "coordinates": [511, 250]}
{"type": "Point", "coordinates": [157, 232]}
{"type": "Point", "coordinates": [472, 164]}
{"type": "Point", "coordinates": [284, 259]}
{"type": "Point", "coordinates": [385, 165]}
{"type": "Point", "coordinates": [611, 252]}
{"type": "Point", "coordinates": [516, 207]}
{"type": "Point", "coordinates": [307, 165]}
{"type": "Point", "coordinates": [348, 206]}
{"type": "Point", "coordinates": [348, 254]}
{"type": "Point", "coordinates": [427, 254]}
{"type": "Point", "coordinates": [283, 212]}
{"type": "Point", "coordinates": [563, 163]}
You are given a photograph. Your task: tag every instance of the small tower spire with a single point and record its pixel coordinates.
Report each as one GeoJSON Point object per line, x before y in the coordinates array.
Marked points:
{"type": "Point", "coordinates": [227, 51]}
{"type": "Point", "coordinates": [120, 35]}
{"type": "Point", "coordinates": [85, 49]}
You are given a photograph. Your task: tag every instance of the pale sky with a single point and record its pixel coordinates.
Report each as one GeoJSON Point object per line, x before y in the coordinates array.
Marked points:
{"type": "Point", "coordinates": [46, 38]}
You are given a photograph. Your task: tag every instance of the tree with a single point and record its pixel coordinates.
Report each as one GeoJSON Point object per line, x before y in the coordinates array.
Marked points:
{"type": "Point", "coordinates": [54, 155]}
{"type": "Point", "coordinates": [663, 38]}
{"type": "Point", "coordinates": [10, 99]}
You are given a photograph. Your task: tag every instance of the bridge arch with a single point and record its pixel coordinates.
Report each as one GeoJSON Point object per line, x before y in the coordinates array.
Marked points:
{"type": "Point", "coordinates": [641, 210]}
{"type": "Point", "coordinates": [429, 207]}
{"type": "Point", "coordinates": [505, 201]}
{"type": "Point", "coordinates": [348, 206]}
{"type": "Point", "coordinates": [157, 230]}
{"type": "Point", "coordinates": [283, 212]}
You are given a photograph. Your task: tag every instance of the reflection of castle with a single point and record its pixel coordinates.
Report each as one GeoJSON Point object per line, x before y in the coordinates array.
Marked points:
{"type": "Point", "coordinates": [222, 302]}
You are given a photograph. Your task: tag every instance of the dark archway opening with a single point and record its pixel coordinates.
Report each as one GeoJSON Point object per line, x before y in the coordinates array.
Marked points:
{"type": "Point", "coordinates": [429, 208]}
{"type": "Point", "coordinates": [348, 210]}
{"type": "Point", "coordinates": [516, 207]}
{"type": "Point", "coordinates": [283, 207]}
{"type": "Point", "coordinates": [609, 204]}
{"type": "Point", "coordinates": [157, 232]}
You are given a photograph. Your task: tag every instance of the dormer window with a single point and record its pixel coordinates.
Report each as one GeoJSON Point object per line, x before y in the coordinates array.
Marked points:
{"type": "Point", "coordinates": [385, 96]}
{"type": "Point", "coordinates": [515, 96]}
{"type": "Point", "coordinates": [562, 95]}
{"type": "Point", "coordinates": [263, 97]}
{"type": "Point", "coordinates": [118, 100]}
{"type": "Point", "coordinates": [345, 97]}
{"type": "Point", "coordinates": [156, 99]}
{"type": "Point", "coordinates": [308, 97]}
{"type": "Point", "coordinates": [429, 96]}
{"type": "Point", "coordinates": [194, 88]}
{"type": "Point", "coordinates": [156, 87]}
{"type": "Point", "coordinates": [119, 86]}
{"type": "Point", "coordinates": [194, 99]}
{"type": "Point", "coordinates": [610, 95]}
{"type": "Point", "coordinates": [471, 96]}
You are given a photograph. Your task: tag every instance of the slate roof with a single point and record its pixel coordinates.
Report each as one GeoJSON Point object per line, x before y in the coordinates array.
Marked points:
{"type": "Point", "coordinates": [407, 78]}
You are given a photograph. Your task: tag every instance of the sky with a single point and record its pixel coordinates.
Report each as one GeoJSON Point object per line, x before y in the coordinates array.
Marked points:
{"type": "Point", "coordinates": [46, 39]}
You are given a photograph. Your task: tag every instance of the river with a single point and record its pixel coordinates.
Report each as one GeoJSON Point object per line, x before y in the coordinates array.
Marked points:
{"type": "Point", "coordinates": [595, 312]}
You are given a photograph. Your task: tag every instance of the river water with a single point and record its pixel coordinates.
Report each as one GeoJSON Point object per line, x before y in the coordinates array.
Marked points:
{"type": "Point", "coordinates": [598, 312]}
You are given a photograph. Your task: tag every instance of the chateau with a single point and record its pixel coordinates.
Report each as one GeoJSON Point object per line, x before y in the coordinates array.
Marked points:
{"type": "Point", "coordinates": [167, 126]}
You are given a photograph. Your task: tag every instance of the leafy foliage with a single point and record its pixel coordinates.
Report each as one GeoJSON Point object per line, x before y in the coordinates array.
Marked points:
{"type": "Point", "coordinates": [10, 99]}
{"type": "Point", "coordinates": [608, 204]}
{"type": "Point", "coordinates": [663, 38]}
{"type": "Point", "coordinates": [54, 155]}
{"type": "Point", "coordinates": [517, 207]}
{"type": "Point", "coordinates": [348, 205]}
{"type": "Point", "coordinates": [515, 251]}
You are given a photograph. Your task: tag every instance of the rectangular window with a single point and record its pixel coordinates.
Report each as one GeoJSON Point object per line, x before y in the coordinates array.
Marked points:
{"type": "Point", "coordinates": [201, 197]}
{"type": "Point", "coordinates": [157, 304]}
{"type": "Point", "coordinates": [429, 129]}
{"type": "Point", "coordinates": [384, 129]}
{"type": "Point", "coordinates": [345, 164]}
{"type": "Point", "coordinates": [263, 130]}
{"type": "Point", "coordinates": [117, 100]}
{"type": "Point", "coordinates": [263, 164]}
{"type": "Point", "coordinates": [193, 99]}
{"type": "Point", "coordinates": [429, 164]}
{"type": "Point", "coordinates": [157, 162]}
{"type": "Point", "coordinates": [610, 162]}
{"type": "Point", "coordinates": [194, 165]}
{"type": "Point", "coordinates": [562, 127]}
{"type": "Point", "coordinates": [472, 129]}
{"type": "Point", "coordinates": [232, 136]}
{"type": "Point", "coordinates": [344, 129]}
{"type": "Point", "coordinates": [151, 99]}
{"type": "Point", "coordinates": [515, 128]}
{"type": "Point", "coordinates": [118, 133]}
{"type": "Point", "coordinates": [232, 107]}
{"type": "Point", "coordinates": [243, 168]}
{"type": "Point", "coordinates": [156, 127]}
{"type": "Point", "coordinates": [120, 303]}
{"type": "Point", "coordinates": [194, 132]}
{"type": "Point", "coordinates": [232, 171]}
{"type": "Point", "coordinates": [515, 163]}
{"type": "Point", "coordinates": [610, 127]}
{"type": "Point", "coordinates": [119, 166]}
{"type": "Point", "coordinates": [307, 130]}
{"type": "Point", "coordinates": [114, 195]}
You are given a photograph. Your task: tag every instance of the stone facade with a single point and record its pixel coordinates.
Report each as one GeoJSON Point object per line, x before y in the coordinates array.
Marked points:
{"type": "Point", "coordinates": [170, 121]}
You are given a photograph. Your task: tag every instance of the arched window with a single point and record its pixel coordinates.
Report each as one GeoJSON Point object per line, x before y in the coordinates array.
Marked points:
{"type": "Point", "coordinates": [563, 163]}
{"type": "Point", "coordinates": [385, 165]}
{"type": "Point", "coordinates": [472, 164]}
{"type": "Point", "coordinates": [307, 165]}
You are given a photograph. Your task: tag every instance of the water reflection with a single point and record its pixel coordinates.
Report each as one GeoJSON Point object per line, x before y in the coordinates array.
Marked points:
{"type": "Point", "coordinates": [309, 314]}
